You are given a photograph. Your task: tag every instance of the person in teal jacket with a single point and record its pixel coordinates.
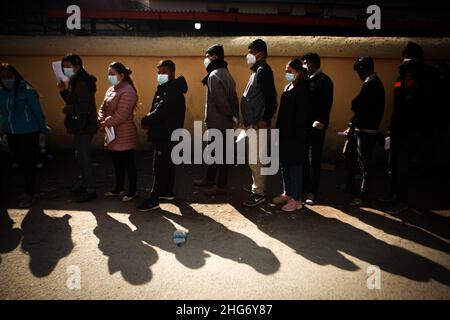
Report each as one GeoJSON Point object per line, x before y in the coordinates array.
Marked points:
{"type": "Point", "coordinates": [23, 122]}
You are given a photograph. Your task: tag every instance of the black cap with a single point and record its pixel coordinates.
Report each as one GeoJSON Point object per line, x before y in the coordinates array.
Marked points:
{"type": "Point", "coordinates": [216, 50]}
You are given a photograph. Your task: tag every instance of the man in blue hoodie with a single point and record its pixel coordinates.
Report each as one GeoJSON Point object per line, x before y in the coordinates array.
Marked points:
{"type": "Point", "coordinates": [23, 123]}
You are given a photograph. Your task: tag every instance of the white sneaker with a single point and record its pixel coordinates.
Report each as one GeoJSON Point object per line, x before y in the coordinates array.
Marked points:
{"type": "Point", "coordinates": [310, 199]}
{"type": "Point", "coordinates": [127, 198]}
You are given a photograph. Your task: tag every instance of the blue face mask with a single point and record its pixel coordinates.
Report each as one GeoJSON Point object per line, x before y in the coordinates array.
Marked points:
{"type": "Point", "coordinates": [9, 83]}
{"type": "Point", "coordinates": [162, 78]}
{"type": "Point", "coordinates": [113, 80]}
{"type": "Point", "coordinates": [290, 76]}
{"type": "Point", "coordinates": [69, 72]}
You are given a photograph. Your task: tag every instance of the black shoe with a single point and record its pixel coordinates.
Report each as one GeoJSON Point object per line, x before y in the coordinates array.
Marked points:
{"type": "Point", "coordinates": [397, 208]}
{"type": "Point", "coordinates": [148, 205]}
{"type": "Point", "coordinates": [254, 200]}
{"type": "Point", "coordinates": [87, 196]}
{"type": "Point", "coordinates": [78, 190]}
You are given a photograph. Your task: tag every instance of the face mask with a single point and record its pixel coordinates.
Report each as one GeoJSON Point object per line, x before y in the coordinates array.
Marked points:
{"type": "Point", "coordinates": [113, 80]}
{"type": "Point", "coordinates": [9, 83]}
{"type": "Point", "coordinates": [306, 67]}
{"type": "Point", "coordinates": [206, 62]}
{"type": "Point", "coordinates": [162, 78]}
{"type": "Point", "coordinates": [290, 77]}
{"type": "Point", "coordinates": [69, 72]}
{"type": "Point", "coordinates": [251, 59]}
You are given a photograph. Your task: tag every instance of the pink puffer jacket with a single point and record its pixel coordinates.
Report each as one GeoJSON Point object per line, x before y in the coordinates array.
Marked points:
{"type": "Point", "coordinates": [117, 111]}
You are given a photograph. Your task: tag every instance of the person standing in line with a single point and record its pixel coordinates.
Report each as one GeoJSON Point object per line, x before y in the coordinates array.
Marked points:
{"type": "Point", "coordinates": [221, 113]}
{"type": "Point", "coordinates": [292, 123]}
{"type": "Point", "coordinates": [258, 106]}
{"type": "Point", "coordinates": [368, 109]}
{"type": "Point", "coordinates": [321, 89]}
{"type": "Point", "coordinates": [117, 114]}
{"type": "Point", "coordinates": [23, 122]}
{"type": "Point", "coordinates": [166, 115]}
{"type": "Point", "coordinates": [80, 120]}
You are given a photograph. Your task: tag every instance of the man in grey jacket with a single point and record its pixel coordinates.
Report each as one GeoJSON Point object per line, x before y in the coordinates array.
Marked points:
{"type": "Point", "coordinates": [221, 113]}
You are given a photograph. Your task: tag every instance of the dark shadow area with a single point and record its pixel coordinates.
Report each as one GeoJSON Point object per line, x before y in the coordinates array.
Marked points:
{"type": "Point", "coordinates": [205, 235]}
{"type": "Point", "coordinates": [125, 251]}
{"type": "Point", "coordinates": [10, 237]}
{"type": "Point", "coordinates": [46, 240]}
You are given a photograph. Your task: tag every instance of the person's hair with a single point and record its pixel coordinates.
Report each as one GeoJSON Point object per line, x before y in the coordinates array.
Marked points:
{"type": "Point", "coordinates": [169, 64]}
{"type": "Point", "coordinates": [365, 63]}
{"type": "Point", "coordinates": [216, 50]}
{"type": "Point", "coordinates": [126, 72]}
{"type": "Point", "coordinates": [413, 51]}
{"type": "Point", "coordinates": [259, 45]}
{"type": "Point", "coordinates": [19, 79]}
{"type": "Point", "coordinates": [82, 74]}
{"type": "Point", "coordinates": [312, 57]}
{"type": "Point", "coordinates": [296, 64]}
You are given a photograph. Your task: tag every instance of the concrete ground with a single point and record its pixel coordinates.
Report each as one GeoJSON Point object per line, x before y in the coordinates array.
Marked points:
{"type": "Point", "coordinates": [321, 252]}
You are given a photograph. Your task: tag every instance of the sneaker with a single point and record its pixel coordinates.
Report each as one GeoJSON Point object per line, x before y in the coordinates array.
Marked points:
{"type": "Point", "coordinates": [397, 208]}
{"type": "Point", "coordinates": [254, 200]}
{"type": "Point", "coordinates": [168, 197]}
{"type": "Point", "coordinates": [202, 183]}
{"type": "Point", "coordinates": [87, 196]}
{"type": "Point", "coordinates": [282, 198]}
{"type": "Point", "coordinates": [250, 190]}
{"type": "Point", "coordinates": [114, 194]}
{"type": "Point", "coordinates": [148, 205]}
{"type": "Point", "coordinates": [387, 199]}
{"type": "Point", "coordinates": [26, 201]}
{"type": "Point", "coordinates": [128, 198]}
{"type": "Point", "coordinates": [292, 205]}
{"type": "Point", "coordinates": [215, 191]}
{"type": "Point", "coordinates": [77, 190]}
{"type": "Point", "coordinates": [310, 199]}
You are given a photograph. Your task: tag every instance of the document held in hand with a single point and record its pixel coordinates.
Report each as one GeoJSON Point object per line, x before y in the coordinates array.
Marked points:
{"type": "Point", "coordinates": [59, 74]}
{"type": "Point", "coordinates": [110, 135]}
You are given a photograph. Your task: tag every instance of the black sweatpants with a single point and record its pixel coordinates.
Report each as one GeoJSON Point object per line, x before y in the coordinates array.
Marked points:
{"type": "Point", "coordinates": [124, 163]}
{"type": "Point", "coordinates": [163, 170]}
{"type": "Point", "coordinates": [218, 172]}
{"type": "Point", "coordinates": [25, 148]}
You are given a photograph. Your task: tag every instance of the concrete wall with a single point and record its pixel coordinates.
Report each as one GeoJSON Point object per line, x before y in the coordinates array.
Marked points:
{"type": "Point", "coordinates": [33, 57]}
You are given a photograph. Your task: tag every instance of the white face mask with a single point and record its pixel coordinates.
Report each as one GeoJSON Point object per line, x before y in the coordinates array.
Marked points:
{"type": "Point", "coordinates": [306, 67]}
{"type": "Point", "coordinates": [162, 78]}
{"type": "Point", "coordinates": [251, 59]}
{"type": "Point", "coordinates": [206, 62]}
{"type": "Point", "coordinates": [113, 80]}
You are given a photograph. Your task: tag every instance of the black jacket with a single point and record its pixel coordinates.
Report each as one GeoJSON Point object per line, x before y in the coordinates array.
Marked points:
{"type": "Point", "coordinates": [259, 102]}
{"type": "Point", "coordinates": [321, 89]}
{"type": "Point", "coordinates": [167, 111]}
{"type": "Point", "coordinates": [292, 123]}
{"type": "Point", "coordinates": [368, 105]}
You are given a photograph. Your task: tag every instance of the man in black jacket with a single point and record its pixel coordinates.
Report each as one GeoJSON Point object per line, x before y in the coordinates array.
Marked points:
{"type": "Point", "coordinates": [258, 105]}
{"type": "Point", "coordinates": [166, 115]}
{"type": "Point", "coordinates": [368, 108]}
{"type": "Point", "coordinates": [321, 89]}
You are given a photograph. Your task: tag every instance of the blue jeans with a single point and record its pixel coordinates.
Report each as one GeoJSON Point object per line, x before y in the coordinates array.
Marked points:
{"type": "Point", "coordinates": [83, 155]}
{"type": "Point", "coordinates": [292, 180]}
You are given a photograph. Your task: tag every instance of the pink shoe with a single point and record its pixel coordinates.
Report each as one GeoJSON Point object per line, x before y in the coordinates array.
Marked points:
{"type": "Point", "coordinates": [282, 198]}
{"type": "Point", "coordinates": [292, 205]}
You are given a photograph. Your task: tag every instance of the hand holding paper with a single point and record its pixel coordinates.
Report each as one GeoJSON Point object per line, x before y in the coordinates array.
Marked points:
{"type": "Point", "coordinates": [60, 76]}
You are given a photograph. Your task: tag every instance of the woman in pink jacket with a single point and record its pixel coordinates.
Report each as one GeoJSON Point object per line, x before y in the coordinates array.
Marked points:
{"type": "Point", "coordinates": [117, 113]}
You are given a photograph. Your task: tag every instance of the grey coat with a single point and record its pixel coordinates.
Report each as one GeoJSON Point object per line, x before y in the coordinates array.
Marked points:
{"type": "Point", "coordinates": [222, 103]}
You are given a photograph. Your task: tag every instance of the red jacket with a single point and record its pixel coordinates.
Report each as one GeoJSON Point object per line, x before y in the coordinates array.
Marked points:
{"type": "Point", "coordinates": [117, 111]}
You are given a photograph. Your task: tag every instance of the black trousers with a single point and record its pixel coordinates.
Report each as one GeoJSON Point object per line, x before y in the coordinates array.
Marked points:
{"type": "Point", "coordinates": [218, 172]}
{"type": "Point", "coordinates": [163, 170]}
{"type": "Point", "coordinates": [124, 163]}
{"type": "Point", "coordinates": [25, 148]}
{"type": "Point", "coordinates": [312, 165]}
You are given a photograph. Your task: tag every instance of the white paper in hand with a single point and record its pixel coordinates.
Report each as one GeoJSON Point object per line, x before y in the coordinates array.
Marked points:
{"type": "Point", "coordinates": [59, 74]}
{"type": "Point", "coordinates": [242, 135]}
{"type": "Point", "coordinates": [110, 135]}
